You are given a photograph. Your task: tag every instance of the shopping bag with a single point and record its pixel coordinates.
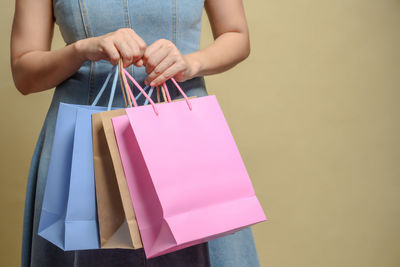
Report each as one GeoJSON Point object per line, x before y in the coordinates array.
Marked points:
{"type": "Point", "coordinates": [69, 216]}
{"type": "Point", "coordinates": [117, 221]}
{"type": "Point", "coordinates": [187, 180]}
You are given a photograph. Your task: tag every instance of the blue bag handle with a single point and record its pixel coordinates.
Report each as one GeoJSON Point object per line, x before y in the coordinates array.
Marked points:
{"type": "Point", "coordinates": [103, 88]}
{"type": "Point", "coordinates": [150, 93]}
{"type": "Point", "coordinates": [113, 87]}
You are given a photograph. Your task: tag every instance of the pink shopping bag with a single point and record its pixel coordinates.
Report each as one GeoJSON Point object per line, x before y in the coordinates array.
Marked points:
{"type": "Point", "coordinates": [187, 180]}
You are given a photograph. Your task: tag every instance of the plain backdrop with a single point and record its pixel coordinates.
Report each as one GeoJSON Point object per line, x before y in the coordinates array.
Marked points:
{"type": "Point", "coordinates": [315, 112]}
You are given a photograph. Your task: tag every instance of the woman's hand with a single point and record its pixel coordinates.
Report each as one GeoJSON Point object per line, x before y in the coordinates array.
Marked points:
{"type": "Point", "coordinates": [123, 43]}
{"type": "Point", "coordinates": [163, 61]}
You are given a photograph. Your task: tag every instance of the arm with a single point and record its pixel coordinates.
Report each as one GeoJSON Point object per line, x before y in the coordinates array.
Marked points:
{"type": "Point", "coordinates": [231, 45]}
{"type": "Point", "coordinates": [231, 35]}
{"type": "Point", "coordinates": [35, 68]}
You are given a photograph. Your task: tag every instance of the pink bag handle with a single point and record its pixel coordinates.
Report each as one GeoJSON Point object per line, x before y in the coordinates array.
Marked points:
{"type": "Point", "coordinates": [180, 90]}
{"type": "Point", "coordinates": [125, 85]}
{"type": "Point", "coordinates": [140, 89]}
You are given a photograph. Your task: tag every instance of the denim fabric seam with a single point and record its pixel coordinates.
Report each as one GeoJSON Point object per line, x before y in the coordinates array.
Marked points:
{"type": "Point", "coordinates": [127, 23]}
{"type": "Point", "coordinates": [85, 15]}
{"type": "Point", "coordinates": [83, 18]}
{"type": "Point", "coordinates": [126, 13]}
{"type": "Point", "coordinates": [88, 33]}
{"type": "Point", "coordinates": [174, 21]}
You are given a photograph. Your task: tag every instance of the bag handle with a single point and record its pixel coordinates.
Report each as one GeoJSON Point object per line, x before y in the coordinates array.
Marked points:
{"type": "Point", "coordinates": [163, 93]}
{"type": "Point", "coordinates": [126, 88]}
{"type": "Point", "coordinates": [103, 88]}
{"type": "Point", "coordinates": [164, 85]}
{"type": "Point", "coordinates": [150, 93]}
{"type": "Point", "coordinates": [166, 90]}
{"type": "Point", "coordinates": [123, 87]}
{"type": "Point", "coordinates": [180, 90]}
{"type": "Point", "coordinates": [140, 89]}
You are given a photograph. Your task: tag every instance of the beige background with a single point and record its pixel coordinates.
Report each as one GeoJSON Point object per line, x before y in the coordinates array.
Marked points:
{"type": "Point", "coordinates": [315, 112]}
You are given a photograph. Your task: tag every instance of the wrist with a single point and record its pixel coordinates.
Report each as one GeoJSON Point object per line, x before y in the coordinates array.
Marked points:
{"type": "Point", "coordinates": [195, 66]}
{"type": "Point", "coordinates": [80, 50]}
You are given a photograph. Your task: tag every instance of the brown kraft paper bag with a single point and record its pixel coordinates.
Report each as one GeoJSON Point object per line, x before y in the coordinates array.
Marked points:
{"type": "Point", "coordinates": [117, 222]}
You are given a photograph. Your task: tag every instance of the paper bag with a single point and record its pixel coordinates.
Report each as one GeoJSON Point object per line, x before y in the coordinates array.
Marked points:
{"type": "Point", "coordinates": [117, 222]}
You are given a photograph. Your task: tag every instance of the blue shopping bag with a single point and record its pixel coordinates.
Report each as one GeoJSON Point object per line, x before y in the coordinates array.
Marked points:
{"type": "Point", "coordinates": [69, 215]}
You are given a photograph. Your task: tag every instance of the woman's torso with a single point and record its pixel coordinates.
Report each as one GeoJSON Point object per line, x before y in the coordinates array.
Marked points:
{"type": "Point", "coordinates": [177, 21]}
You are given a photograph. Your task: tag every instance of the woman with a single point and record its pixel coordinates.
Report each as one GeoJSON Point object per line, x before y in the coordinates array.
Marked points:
{"type": "Point", "coordinates": [156, 40]}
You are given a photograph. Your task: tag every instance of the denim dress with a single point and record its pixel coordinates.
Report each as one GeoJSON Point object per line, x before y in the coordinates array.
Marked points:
{"type": "Point", "coordinates": [176, 20]}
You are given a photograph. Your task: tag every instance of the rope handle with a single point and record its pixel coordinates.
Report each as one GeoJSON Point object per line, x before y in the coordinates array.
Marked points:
{"type": "Point", "coordinates": [180, 90]}
{"type": "Point", "coordinates": [140, 89]}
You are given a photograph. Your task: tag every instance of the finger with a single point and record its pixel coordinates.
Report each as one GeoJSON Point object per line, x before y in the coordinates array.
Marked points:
{"type": "Point", "coordinates": [111, 52]}
{"type": "Point", "coordinates": [150, 50]}
{"type": "Point", "coordinates": [155, 59]}
{"type": "Point", "coordinates": [136, 54]}
{"type": "Point", "coordinates": [139, 41]}
{"type": "Point", "coordinates": [124, 50]}
{"type": "Point", "coordinates": [167, 74]}
{"type": "Point", "coordinates": [160, 68]}
{"type": "Point", "coordinates": [139, 63]}
{"type": "Point", "coordinates": [137, 44]}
